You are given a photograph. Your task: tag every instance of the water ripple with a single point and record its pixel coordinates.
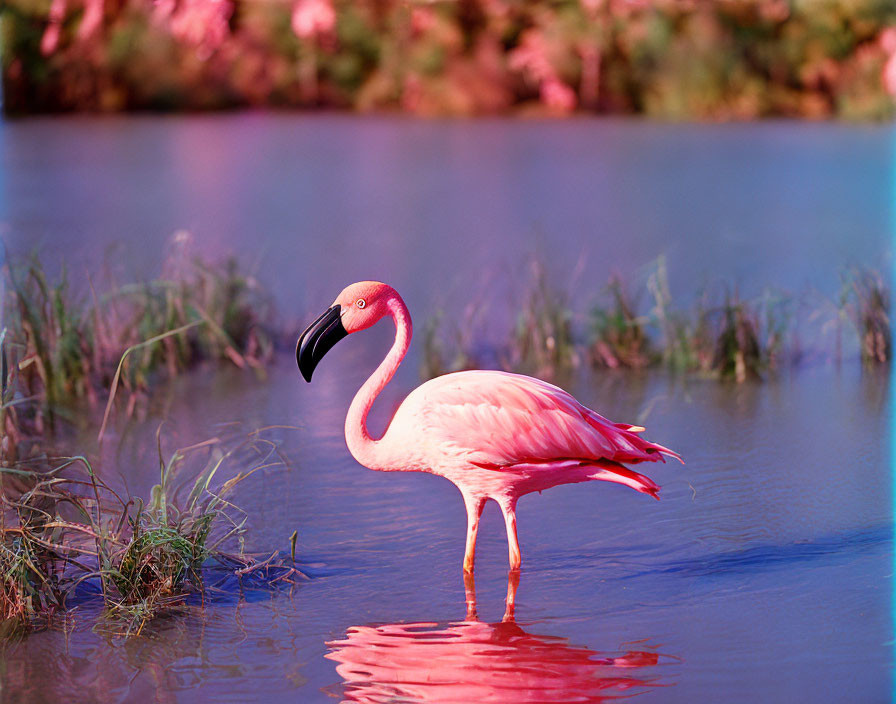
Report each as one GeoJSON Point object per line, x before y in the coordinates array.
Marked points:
{"type": "Point", "coordinates": [775, 556]}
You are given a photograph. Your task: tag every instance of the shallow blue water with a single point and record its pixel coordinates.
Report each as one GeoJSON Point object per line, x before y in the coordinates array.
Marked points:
{"type": "Point", "coordinates": [764, 574]}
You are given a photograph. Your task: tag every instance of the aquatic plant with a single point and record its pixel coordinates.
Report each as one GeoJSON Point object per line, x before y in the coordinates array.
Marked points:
{"type": "Point", "coordinates": [869, 311]}
{"type": "Point", "coordinates": [230, 303]}
{"type": "Point", "coordinates": [63, 526]}
{"type": "Point", "coordinates": [620, 335]}
{"type": "Point", "coordinates": [720, 335]}
{"type": "Point", "coordinates": [686, 343]}
{"type": "Point", "coordinates": [732, 339]}
{"type": "Point", "coordinates": [66, 347]}
{"type": "Point", "coordinates": [724, 336]}
{"type": "Point", "coordinates": [542, 341]}
{"type": "Point", "coordinates": [11, 431]}
{"type": "Point", "coordinates": [450, 347]}
{"type": "Point", "coordinates": [738, 354]}
{"type": "Point", "coordinates": [861, 305]}
{"type": "Point", "coordinates": [37, 542]}
{"type": "Point", "coordinates": [47, 322]}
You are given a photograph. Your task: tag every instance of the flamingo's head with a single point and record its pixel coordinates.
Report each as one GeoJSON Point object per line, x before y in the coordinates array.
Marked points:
{"type": "Point", "coordinates": [357, 308]}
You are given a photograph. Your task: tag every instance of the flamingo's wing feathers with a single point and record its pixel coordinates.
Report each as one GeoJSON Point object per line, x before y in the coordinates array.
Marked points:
{"type": "Point", "coordinates": [496, 419]}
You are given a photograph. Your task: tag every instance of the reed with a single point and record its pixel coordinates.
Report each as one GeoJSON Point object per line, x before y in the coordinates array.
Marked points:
{"type": "Point", "coordinates": [65, 347]}
{"type": "Point", "coordinates": [620, 334]}
{"type": "Point", "coordinates": [721, 334]}
{"type": "Point", "coordinates": [48, 325]}
{"type": "Point", "coordinates": [685, 343]}
{"type": "Point", "coordinates": [543, 341]}
{"type": "Point", "coordinates": [738, 353]}
{"type": "Point", "coordinates": [869, 310]}
{"type": "Point", "coordinates": [450, 347]}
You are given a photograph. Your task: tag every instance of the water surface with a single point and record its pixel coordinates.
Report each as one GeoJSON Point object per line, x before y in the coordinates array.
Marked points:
{"type": "Point", "coordinates": [764, 574]}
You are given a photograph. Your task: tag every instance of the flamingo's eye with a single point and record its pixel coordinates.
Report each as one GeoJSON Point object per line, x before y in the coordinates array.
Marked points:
{"type": "Point", "coordinates": [360, 303]}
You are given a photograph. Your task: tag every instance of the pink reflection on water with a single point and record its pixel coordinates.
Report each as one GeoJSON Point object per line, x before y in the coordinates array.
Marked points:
{"type": "Point", "coordinates": [472, 661]}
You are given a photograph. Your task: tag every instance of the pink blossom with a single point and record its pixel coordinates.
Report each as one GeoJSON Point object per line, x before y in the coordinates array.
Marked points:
{"type": "Point", "coordinates": [556, 94]}
{"type": "Point", "coordinates": [311, 18]}
{"type": "Point", "coordinates": [422, 20]}
{"type": "Point", "coordinates": [531, 57]}
{"type": "Point", "coordinates": [888, 43]}
{"type": "Point", "coordinates": [50, 39]}
{"type": "Point", "coordinates": [162, 10]}
{"type": "Point", "coordinates": [774, 10]}
{"type": "Point", "coordinates": [202, 23]}
{"type": "Point", "coordinates": [890, 76]}
{"type": "Point", "coordinates": [92, 19]}
{"type": "Point", "coordinates": [888, 40]}
{"type": "Point", "coordinates": [49, 42]}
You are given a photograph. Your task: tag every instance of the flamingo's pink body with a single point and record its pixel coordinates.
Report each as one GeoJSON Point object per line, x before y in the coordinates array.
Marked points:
{"type": "Point", "coordinates": [493, 434]}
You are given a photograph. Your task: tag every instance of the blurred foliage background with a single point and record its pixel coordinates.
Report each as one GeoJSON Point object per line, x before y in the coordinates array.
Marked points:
{"type": "Point", "coordinates": [672, 59]}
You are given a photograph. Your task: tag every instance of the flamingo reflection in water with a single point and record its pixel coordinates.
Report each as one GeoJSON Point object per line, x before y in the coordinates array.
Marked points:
{"type": "Point", "coordinates": [473, 661]}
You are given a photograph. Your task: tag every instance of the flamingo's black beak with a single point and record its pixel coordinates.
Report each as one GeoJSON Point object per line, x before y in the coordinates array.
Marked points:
{"type": "Point", "coordinates": [318, 339]}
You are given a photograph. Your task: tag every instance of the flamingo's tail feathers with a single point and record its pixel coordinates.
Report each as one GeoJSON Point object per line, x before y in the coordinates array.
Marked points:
{"type": "Point", "coordinates": [613, 472]}
{"type": "Point", "coordinates": [628, 446]}
{"type": "Point", "coordinates": [654, 447]}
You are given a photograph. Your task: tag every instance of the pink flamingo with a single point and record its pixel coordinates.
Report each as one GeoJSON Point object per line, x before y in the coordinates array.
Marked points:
{"type": "Point", "coordinates": [493, 434]}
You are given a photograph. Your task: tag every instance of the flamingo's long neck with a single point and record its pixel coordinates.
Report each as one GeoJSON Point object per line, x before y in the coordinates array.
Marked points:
{"type": "Point", "coordinates": [369, 451]}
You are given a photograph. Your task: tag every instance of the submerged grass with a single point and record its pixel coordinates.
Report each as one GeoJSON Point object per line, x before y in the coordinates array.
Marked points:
{"type": "Point", "coordinates": [63, 526]}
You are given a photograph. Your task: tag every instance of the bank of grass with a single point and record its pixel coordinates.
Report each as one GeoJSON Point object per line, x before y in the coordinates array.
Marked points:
{"type": "Point", "coordinates": [720, 335]}
{"type": "Point", "coordinates": [62, 529]}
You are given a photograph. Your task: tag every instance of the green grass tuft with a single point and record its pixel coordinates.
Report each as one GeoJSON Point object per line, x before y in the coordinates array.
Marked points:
{"type": "Point", "coordinates": [62, 526]}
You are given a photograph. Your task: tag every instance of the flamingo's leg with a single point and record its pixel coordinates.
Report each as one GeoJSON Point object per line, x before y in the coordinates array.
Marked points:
{"type": "Point", "coordinates": [508, 508]}
{"type": "Point", "coordinates": [474, 505]}
{"type": "Point", "coordinates": [470, 593]}
{"type": "Point", "coordinates": [513, 581]}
